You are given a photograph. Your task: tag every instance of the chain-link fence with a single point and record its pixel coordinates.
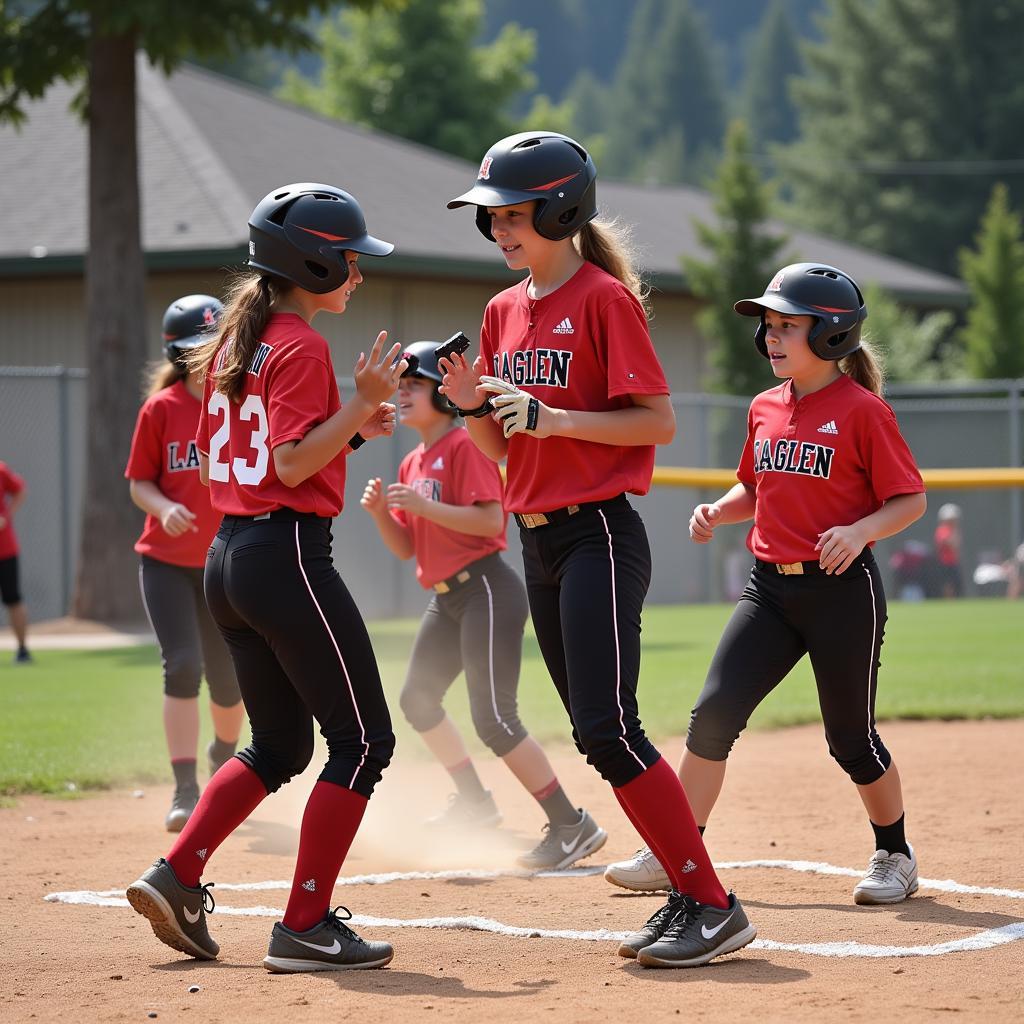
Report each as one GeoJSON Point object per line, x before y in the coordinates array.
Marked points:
{"type": "Point", "coordinates": [42, 437]}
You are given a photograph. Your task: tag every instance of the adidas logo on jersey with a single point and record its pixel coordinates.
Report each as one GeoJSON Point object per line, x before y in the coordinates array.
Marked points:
{"type": "Point", "coordinates": [565, 327]}
{"type": "Point", "coordinates": [438, 463]}
{"type": "Point", "coordinates": [309, 885]}
{"type": "Point", "coordinates": [201, 854]}
{"type": "Point", "coordinates": [828, 428]}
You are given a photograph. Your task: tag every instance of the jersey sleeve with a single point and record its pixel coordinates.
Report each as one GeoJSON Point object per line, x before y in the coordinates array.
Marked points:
{"type": "Point", "coordinates": [633, 365]}
{"type": "Point", "coordinates": [297, 391]}
{"type": "Point", "coordinates": [10, 482]}
{"type": "Point", "coordinates": [476, 477]}
{"type": "Point", "coordinates": [745, 470]}
{"type": "Point", "coordinates": [888, 460]}
{"type": "Point", "coordinates": [145, 458]}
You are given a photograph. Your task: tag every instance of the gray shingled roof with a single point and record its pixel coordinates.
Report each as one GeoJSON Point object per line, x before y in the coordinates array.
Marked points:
{"type": "Point", "coordinates": [211, 148]}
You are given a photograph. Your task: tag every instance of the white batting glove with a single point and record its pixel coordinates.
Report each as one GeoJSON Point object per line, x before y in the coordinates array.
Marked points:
{"type": "Point", "coordinates": [515, 409]}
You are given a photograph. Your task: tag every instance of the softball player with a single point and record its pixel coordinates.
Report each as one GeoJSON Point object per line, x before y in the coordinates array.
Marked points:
{"type": "Point", "coordinates": [12, 494]}
{"type": "Point", "coordinates": [163, 470]}
{"type": "Point", "coordinates": [824, 474]}
{"type": "Point", "coordinates": [446, 511]}
{"type": "Point", "coordinates": [273, 439]}
{"type": "Point", "coordinates": [575, 398]}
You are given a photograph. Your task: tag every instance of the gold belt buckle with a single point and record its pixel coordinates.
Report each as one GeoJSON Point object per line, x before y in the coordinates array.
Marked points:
{"type": "Point", "coordinates": [442, 587]}
{"type": "Point", "coordinates": [790, 568]}
{"type": "Point", "coordinates": [462, 576]}
{"type": "Point", "coordinates": [531, 520]}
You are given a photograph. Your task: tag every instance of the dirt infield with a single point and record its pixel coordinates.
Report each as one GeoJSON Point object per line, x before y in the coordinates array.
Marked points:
{"type": "Point", "coordinates": [784, 801]}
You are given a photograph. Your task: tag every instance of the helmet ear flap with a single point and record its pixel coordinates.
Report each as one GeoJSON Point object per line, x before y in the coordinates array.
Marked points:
{"type": "Point", "coordinates": [760, 338]}
{"type": "Point", "coordinates": [483, 223]}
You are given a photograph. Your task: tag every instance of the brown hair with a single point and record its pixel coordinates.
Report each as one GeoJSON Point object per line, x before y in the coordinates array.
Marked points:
{"type": "Point", "coordinates": [246, 312]}
{"type": "Point", "coordinates": [865, 367]}
{"type": "Point", "coordinates": [158, 375]}
{"type": "Point", "coordinates": [607, 245]}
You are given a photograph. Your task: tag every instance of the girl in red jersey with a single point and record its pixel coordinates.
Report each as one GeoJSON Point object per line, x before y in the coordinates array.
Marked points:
{"type": "Point", "coordinates": [446, 510]}
{"type": "Point", "coordinates": [824, 474]}
{"type": "Point", "coordinates": [568, 387]}
{"type": "Point", "coordinates": [12, 494]}
{"type": "Point", "coordinates": [163, 468]}
{"type": "Point", "coordinates": [273, 439]}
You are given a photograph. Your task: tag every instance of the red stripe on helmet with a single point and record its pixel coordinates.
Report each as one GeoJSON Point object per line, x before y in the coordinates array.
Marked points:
{"type": "Point", "coordinates": [324, 234]}
{"type": "Point", "coordinates": [552, 184]}
{"type": "Point", "coordinates": [830, 309]}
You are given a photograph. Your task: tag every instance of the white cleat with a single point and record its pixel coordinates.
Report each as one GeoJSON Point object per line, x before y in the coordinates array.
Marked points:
{"type": "Point", "coordinates": [641, 873]}
{"type": "Point", "coordinates": [890, 878]}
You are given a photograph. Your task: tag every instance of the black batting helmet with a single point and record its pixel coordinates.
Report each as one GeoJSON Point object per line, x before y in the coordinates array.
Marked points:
{"type": "Point", "coordinates": [301, 232]}
{"type": "Point", "coordinates": [188, 322]}
{"type": "Point", "coordinates": [545, 166]}
{"type": "Point", "coordinates": [813, 289]}
{"type": "Point", "coordinates": [423, 363]}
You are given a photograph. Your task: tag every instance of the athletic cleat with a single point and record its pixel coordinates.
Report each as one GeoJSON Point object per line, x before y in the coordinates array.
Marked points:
{"type": "Point", "coordinates": [213, 760]}
{"type": "Point", "coordinates": [23, 657]}
{"type": "Point", "coordinates": [698, 933]}
{"type": "Point", "coordinates": [563, 845]}
{"type": "Point", "coordinates": [653, 929]}
{"type": "Point", "coordinates": [462, 812]}
{"type": "Point", "coordinates": [641, 873]}
{"type": "Point", "coordinates": [176, 912]}
{"type": "Point", "coordinates": [890, 878]}
{"type": "Point", "coordinates": [330, 946]}
{"type": "Point", "coordinates": [182, 806]}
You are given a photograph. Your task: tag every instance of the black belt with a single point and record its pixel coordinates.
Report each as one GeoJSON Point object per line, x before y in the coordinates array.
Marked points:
{"type": "Point", "coordinates": [481, 565]}
{"type": "Point", "coordinates": [531, 520]}
{"type": "Point", "coordinates": [287, 515]}
{"type": "Point", "coordinates": [805, 568]}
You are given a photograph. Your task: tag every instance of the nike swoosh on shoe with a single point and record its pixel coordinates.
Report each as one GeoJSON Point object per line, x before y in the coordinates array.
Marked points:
{"type": "Point", "coordinates": [189, 916]}
{"type": "Point", "coordinates": [331, 950]}
{"type": "Point", "coordinates": [569, 847]}
{"type": "Point", "coordinates": [710, 933]}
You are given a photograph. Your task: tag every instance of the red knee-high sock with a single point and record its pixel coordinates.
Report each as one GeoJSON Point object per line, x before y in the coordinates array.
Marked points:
{"type": "Point", "coordinates": [651, 841]}
{"type": "Point", "coordinates": [329, 825]}
{"type": "Point", "coordinates": [229, 798]}
{"type": "Point", "coordinates": [661, 813]}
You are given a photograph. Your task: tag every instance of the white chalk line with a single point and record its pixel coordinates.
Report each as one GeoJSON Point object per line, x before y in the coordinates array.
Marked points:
{"type": "Point", "coordinates": [988, 939]}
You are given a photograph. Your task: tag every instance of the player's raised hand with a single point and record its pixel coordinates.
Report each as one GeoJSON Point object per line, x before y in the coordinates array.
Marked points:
{"type": "Point", "coordinates": [703, 522]}
{"type": "Point", "coordinates": [460, 380]}
{"type": "Point", "coordinates": [177, 520]}
{"type": "Point", "coordinates": [377, 374]}
{"type": "Point", "coordinates": [373, 499]}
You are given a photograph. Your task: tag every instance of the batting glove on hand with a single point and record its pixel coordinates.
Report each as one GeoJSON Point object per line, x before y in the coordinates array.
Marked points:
{"type": "Point", "coordinates": [515, 409]}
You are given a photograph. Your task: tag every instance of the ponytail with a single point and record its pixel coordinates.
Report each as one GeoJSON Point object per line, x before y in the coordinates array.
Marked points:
{"type": "Point", "coordinates": [865, 367]}
{"type": "Point", "coordinates": [607, 246]}
{"type": "Point", "coordinates": [160, 374]}
{"type": "Point", "coordinates": [241, 325]}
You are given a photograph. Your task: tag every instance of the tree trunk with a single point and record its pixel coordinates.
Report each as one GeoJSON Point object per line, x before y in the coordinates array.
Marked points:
{"type": "Point", "coordinates": [106, 587]}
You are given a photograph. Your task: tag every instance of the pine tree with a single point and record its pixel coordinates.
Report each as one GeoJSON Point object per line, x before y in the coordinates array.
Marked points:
{"type": "Point", "coordinates": [417, 72]}
{"type": "Point", "coordinates": [742, 256]}
{"type": "Point", "coordinates": [911, 347]}
{"type": "Point", "coordinates": [994, 272]}
{"type": "Point", "coordinates": [774, 61]}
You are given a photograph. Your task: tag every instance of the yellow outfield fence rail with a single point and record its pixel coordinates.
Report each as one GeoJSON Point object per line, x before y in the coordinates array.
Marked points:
{"type": "Point", "coordinates": [974, 478]}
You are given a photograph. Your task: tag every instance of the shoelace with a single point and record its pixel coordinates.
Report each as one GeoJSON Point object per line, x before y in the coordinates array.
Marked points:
{"type": "Point", "coordinates": [208, 901]}
{"type": "Point", "coordinates": [687, 913]}
{"type": "Point", "coordinates": [548, 838]}
{"type": "Point", "coordinates": [882, 870]}
{"type": "Point", "coordinates": [337, 922]}
{"type": "Point", "coordinates": [643, 856]}
{"type": "Point", "coordinates": [666, 913]}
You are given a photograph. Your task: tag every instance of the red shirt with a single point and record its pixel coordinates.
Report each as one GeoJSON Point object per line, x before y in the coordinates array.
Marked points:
{"type": "Point", "coordinates": [289, 389]}
{"type": "Point", "coordinates": [164, 452]}
{"type": "Point", "coordinates": [10, 483]}
{"type": "Point", "coordinates": [827, 459]}
{"type": "Point", "coordinates": [585, 346]}
{"type": "Point", "coordinates": [455, 471]}
{"type": "Point", "coordinates": [947, 544]}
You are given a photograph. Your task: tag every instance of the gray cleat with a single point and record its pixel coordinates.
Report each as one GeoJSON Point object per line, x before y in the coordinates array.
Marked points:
{"type": "Point", "coordinates": [563, 845]}
{"type": "Point", "coordinates": [182, 805]}
{"type": "Point", "coordinates": [330, 946]}
{"type": "Point", "coordinates": [698, 933]}
{"type": "Point", "coordinates": [176, 912]}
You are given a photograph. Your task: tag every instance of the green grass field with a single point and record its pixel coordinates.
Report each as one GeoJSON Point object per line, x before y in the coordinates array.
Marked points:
{"type": "Point", "coordinates": [92, 718]}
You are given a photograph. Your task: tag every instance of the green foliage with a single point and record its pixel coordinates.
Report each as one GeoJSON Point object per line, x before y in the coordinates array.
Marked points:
{"type": "Point", "coordinates": [994, 272]}
{"type": "Point", "coordinates": [911, 347]}
{"type": "Point", "coordinates": [894, 92]}
{"type": "Point", "coordinates": [416, 72]}
{"type": "Point", "coordinates": [774, 61]}
{"type": "Point", "coordinates": [108, 702]}
{"type": "Point", "coordinates": [743, 255]}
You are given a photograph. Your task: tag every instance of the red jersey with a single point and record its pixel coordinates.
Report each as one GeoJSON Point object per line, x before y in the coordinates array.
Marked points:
{"type": "Point", "coordinates": [585, 346]}
{"type": "Point", "coordinates": [827, 459]}
{"type": "Point", "coordinates": [164, 452]}
{"type": "Point", "coordinates": [947, 544]}
{"type": "Point", "coordinates": [10, 483]}
{"type": "Point", "coordinates": [289, 389]}
{"type": "Point", "coordinates": [455, 471]}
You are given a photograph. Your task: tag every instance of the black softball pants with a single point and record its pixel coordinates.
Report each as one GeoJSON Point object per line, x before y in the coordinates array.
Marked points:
{"type": "Point", "coordinates": [301, 651]}
{"type": "Point", "coordinates": [586, 579]}
{"type": "Point", "coordinates": [190, 643]}
{"type": "Point", "coordinates": [476, 627]}
{"type": "Point", "coordinates": [839, 621]}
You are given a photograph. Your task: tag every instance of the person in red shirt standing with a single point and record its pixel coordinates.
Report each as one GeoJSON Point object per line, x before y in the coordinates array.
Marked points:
{"type": "Point", "coordinates": [568, 387]}
{"type": "Point", "coordinates": [12, 494]}
{"type": "Point", "coordinates": [273, 439]}
{"type": "Point", "coordinates": [163, 467]}
{"type": "Point", "coordinates": [824, 473]}
{"type": "Point", "coordinates": [446, 511]}
{"type": "Point", "coordinates": [948, 544]}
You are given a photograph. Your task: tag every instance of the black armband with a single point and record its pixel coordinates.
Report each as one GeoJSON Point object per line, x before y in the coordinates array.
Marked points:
{"type": "Point", "coordinates": [356, 441]}
{"type": "Point", "coordinates": [485, 409]}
